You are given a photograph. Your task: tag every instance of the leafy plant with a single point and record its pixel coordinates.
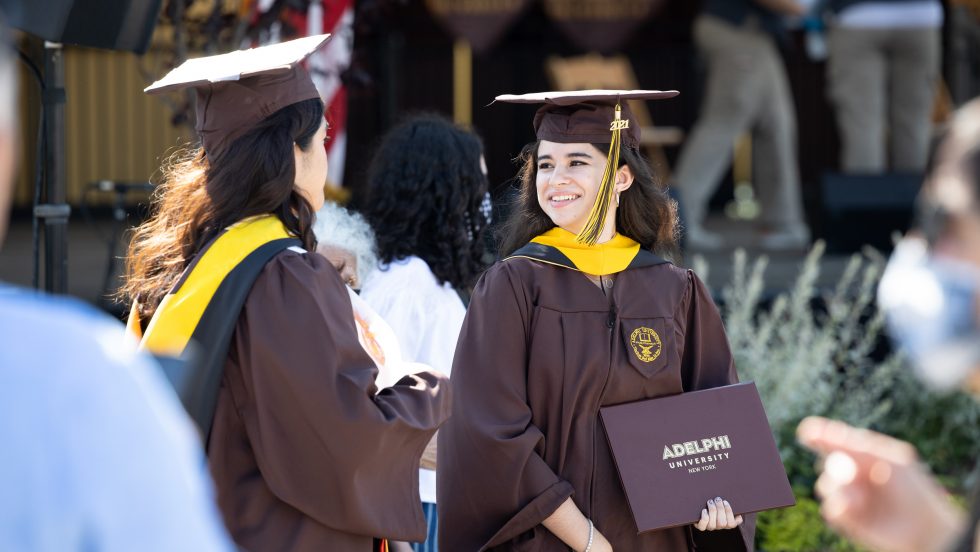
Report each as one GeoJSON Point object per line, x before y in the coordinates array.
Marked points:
{"type": "Point", "coordinates": [823, 352]}
{"type": "Point", "coordinates": [798, 529]}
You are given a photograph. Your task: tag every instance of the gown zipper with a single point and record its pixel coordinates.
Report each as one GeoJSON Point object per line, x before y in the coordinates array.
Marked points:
{"type": "Point", "coordinates": [611, 326]}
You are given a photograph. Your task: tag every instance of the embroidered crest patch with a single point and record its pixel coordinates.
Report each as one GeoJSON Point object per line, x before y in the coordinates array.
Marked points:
{"type": "Point", "coordinates": [646, 344]}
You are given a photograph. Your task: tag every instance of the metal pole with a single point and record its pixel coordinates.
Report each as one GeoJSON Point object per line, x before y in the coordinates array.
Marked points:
{"type": "Point", "coordinates": [462, 82]}
{"type": "Point", "coordinates": [55, 211]}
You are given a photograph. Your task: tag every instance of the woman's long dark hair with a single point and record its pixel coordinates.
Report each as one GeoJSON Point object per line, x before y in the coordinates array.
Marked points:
{"type": "Point", "coordinates": [646, 213]}
{"type": "Point", "coordinates": [425, 191]}
{"type": "Point", "coordinates": [199, 197]}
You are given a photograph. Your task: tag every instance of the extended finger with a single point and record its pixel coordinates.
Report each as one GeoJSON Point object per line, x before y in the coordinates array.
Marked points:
{"type": "Point", "coordinates": [712, 516]}
{"type": "Point", "coordinates": [839, 472]}
{"type": "Point", "coordinates": [825, 436]}
{"type": "Point", "coordinates": [722, 516]}
{"type": "Point", "coordinates": [730, 516]}
{"type": "Point", "coordinates": [843, 508]}
{"type": "Point", "coordinates": [828, 487]}
{"type": "Point", "coordinates": [702, 523]}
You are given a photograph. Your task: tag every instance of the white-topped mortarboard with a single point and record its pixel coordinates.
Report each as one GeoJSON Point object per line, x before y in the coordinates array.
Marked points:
{"type": "Point", "coordinates": [237, 90]}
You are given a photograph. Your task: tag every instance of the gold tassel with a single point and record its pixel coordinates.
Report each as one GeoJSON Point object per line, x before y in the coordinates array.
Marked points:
{"type": "Point", "coordinates": [590, 233]}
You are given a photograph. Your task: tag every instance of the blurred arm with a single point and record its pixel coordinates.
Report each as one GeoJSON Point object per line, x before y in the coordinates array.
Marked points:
{"type": "Point", "coordinates": [876, 492]}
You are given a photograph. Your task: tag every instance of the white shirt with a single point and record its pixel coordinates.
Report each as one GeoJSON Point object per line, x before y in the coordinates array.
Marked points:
{"type": "Point", "coordinates": [925, 14]}
{"type": "Point", "coordinates": [380, 342]}
{"type": "Point", "coordinates": [427, 318]}
{"type": "Point", "coordinates": [98, 455]}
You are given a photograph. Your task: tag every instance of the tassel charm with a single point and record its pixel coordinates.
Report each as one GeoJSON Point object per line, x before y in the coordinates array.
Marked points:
{"type": "Point", "coordinates": [590, 233]}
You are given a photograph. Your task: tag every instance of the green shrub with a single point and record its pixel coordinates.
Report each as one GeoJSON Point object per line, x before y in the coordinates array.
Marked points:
{"type": "Point", "coordinates": [798, 529]}
{"type": "Point", "coordinates": [816, 353]}
{"type": "Point", "coordinates": [944, 427]}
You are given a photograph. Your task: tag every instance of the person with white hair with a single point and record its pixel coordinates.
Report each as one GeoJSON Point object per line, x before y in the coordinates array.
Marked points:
{"type": "Point", "coordinates": [347, 241]}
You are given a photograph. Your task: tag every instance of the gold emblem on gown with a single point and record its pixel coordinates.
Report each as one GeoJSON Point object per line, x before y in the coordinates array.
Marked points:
{"type": "Point", "coordinates": [646, 344]}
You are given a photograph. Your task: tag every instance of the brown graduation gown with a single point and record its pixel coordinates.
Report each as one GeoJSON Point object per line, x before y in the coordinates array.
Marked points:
{"type": "Point", "coordinates": [541, 350]}
{"type": "Point", "coordinates": [303, 454]}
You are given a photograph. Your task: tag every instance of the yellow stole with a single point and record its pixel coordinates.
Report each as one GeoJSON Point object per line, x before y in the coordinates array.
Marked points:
{"type": "Point", "coordinates": [181, 310]}
{"type": "Point", "coordinates": [600, 259]}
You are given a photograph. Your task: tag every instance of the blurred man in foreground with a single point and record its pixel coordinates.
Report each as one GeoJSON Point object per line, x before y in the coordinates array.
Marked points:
{"type": "Point", "coordinates": [874, 489]}
{"type": "Point", "coordinates": [97, 454]}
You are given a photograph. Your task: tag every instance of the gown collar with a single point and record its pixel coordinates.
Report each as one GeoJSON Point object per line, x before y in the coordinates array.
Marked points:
{"type": "Point", "coordinates": [559, 247]}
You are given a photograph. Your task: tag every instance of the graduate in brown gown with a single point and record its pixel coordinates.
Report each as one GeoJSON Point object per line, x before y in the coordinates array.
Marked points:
{"type": "Point", "coordinates": [580, 314]}
{"type": "Point", "coordinates": [306, 453]}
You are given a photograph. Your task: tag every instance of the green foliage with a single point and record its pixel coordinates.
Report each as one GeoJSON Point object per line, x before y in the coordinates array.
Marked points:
{"type": "Point", "coordinates": [812, 352]}
{"type": "Point", "coordinates": [944, 427]}
{"type": "Point", "coordinates": [798, 529]}
{"type": "Point", "coordinates": [807, 360]}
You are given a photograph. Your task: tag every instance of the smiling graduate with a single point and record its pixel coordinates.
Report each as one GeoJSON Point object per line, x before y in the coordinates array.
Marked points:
{"type": "Point", "coordinates": [582, 312]}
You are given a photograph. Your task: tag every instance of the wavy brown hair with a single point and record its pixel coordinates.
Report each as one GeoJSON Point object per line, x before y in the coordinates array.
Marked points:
{"type": "Point", "coordinates": [198, 197]}
{"type": "Point", "coordinates": [646, 213]}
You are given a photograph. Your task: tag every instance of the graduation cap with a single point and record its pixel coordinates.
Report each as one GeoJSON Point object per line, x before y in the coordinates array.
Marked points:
{"type": "Point", "coordinates": [594, 117]}
{"type": "Point", "coordinates": [236, 91]}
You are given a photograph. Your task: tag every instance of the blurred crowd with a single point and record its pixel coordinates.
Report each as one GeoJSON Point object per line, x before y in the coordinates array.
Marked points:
{"type": "Point", "coordinates": [883, 68]}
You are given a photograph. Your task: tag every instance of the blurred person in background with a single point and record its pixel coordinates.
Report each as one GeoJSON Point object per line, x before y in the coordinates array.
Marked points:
{"type": "Point", "coordinates": [347, 241]}
{"type": "Point", "coordinates": [963, 55]}
{"type": "Point", "coordinates": [882, 76]}
{"type": "Point", "coordinates": [97, 453]}
{"type": "Point", "coordinates": [746, 90]}
{"type": "Point", "coordinates": [874, 488]}
{"type": "Point", "coordinates": [429, 206]}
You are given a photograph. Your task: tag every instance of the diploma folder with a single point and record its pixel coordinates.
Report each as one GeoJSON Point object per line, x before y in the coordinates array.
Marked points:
{"type": "Point", "coordinates": [675, 453]}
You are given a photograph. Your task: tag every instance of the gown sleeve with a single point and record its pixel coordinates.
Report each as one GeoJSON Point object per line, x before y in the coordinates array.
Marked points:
{"type": "Point", "coordinates": [493, 484]}
{"type": "Point", "coordinates": [708, 362]}
{"type": "Point", "coordinates": [323, 441]}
